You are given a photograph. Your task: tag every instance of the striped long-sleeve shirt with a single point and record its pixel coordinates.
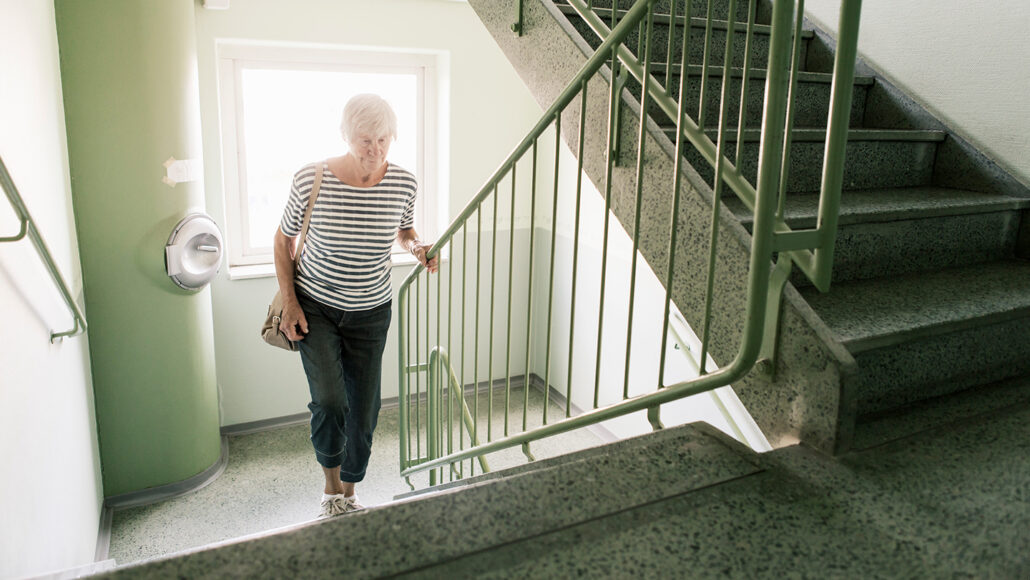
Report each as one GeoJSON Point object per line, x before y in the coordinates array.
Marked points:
{"type": "Point", "coordinates": [346, 258]}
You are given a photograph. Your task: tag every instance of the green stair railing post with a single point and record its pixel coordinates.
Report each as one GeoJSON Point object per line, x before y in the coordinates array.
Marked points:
{"type": "Point", "coordinates": [402, 381]}
{"type": "Point", "coordinates": [440, 360]}
{"type": "Point", "coordinates": [550, 279]}
{"type": "Point", "coordinates": [795, 64]}
{"type": "Point", "coordinates": [490, 338]}
{"type": "Point", "coordinates": [836, 139]}
{"type": "Point", "coordinates": [641, 140]}
{"type": "Point", "coordinates": [517, 26]}
{"type": "Point", "coordinates": [677, 172]}
{"type": "Point", "coordinates": [511, 280]}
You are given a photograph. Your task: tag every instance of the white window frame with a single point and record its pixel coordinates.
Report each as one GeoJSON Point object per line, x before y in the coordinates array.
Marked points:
{"type": "Point", "coordinates": [429, 68]}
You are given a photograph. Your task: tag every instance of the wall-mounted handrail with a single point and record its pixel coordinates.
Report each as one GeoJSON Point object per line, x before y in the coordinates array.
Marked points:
{"type": "Point", "coordinates": [28, 227]}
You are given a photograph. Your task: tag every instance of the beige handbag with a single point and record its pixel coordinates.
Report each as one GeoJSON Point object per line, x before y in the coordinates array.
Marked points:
{"type": "Point", "coordinates": [270, 332]}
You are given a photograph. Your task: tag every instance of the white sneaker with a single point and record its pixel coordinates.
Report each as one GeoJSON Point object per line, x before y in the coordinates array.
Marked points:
{"type": "Point", "coordinates": [338, 504]}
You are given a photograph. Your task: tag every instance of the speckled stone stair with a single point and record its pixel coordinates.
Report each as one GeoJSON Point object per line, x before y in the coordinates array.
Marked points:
{"type": "Point", "coordinates": [924, 217]}
{"type": "Point", "coordinates": [697, 8]}
{"type": "Point", "coordinates": [609, 448]}
{"type": "Point", "coordinates": [717, 49]}
{"type": "Point", "coordinates": [925, 335]}
{"type": "Point", "coordinates": [412, 535]}
{"type": "Point", "coordinates": [812, 94]}
{"type": "Point", "coordinates": [874, 158]}
{"type": "Point", "coordinates": [888, 232]}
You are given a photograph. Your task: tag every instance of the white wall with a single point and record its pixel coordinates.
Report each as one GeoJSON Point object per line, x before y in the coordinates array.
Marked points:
{"type": "Point", "coordinates": [648, 313]}
{"type": "Point", "coordinates": [966, 61]}
{"type": "Point", "coordinates": [491, 110]}
{"type": "Point", "coordinates": [50, 492]}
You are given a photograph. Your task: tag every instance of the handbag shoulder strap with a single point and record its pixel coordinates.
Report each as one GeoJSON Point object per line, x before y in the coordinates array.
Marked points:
{"type": "Point", "coordinates": [315, 187]}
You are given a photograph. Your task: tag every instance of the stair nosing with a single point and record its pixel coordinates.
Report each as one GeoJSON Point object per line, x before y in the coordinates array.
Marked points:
{"type": "Point", "coordinates": [756, 73]}
{"type": "Point", "coordinates": [695, 21]}
{"type": "Point", "coordinates": [870, 343]}
{"type": "Point", "coordinates": [992, 203]}
{"type": "Point", "coordinates": [815, 135]}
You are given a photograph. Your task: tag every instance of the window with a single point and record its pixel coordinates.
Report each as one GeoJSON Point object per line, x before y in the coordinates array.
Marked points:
{"type": "Point", "coordinates": [281, 108]}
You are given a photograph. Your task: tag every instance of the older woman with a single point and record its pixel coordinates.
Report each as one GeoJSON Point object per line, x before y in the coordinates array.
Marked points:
{"type": "Point", "coordinates": [338, 303]}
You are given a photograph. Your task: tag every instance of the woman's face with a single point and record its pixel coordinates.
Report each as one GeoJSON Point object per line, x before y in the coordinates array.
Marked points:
{"type": "Point", "coordinates": [370, 150]}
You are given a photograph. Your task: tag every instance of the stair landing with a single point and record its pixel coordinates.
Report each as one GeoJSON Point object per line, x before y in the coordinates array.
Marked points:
{"type": "Point", "coordinates": [687, 502]}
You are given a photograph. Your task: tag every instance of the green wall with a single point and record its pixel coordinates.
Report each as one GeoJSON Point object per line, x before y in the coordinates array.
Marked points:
{"type": "Point", "coordinates": [128, 69]}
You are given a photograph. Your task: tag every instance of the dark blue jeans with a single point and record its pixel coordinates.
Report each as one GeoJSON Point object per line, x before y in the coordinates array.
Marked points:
{"type": "Point", "coordinates": [343, 359]}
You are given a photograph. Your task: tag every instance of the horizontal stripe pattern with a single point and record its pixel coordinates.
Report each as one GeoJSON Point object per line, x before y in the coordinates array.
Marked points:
{"type": "Point", "coordinates": [346, 258]}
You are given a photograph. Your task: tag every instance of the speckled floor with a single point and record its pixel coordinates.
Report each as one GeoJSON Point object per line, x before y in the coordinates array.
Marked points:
{"type": "Point", "coordinates": [949, 503]}
{"type": "Point", "coordinates": [272, 481]}
{"type": "Point", "coordinates": [952, 502]}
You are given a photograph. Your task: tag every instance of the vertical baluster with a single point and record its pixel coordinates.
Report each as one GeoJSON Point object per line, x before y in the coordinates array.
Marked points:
{"type": "Point", "coordinates": [440, 371]}
{"type": "Point", "coordinates": [431, 424]}
{"type": "Point", "coordinates": [511, 264]}
{"type": "Point", "coordinates": [575, 243]}
{"type": "Point", "coordinates": [613, 96]}
{"type": "Point", "coordinates": [450, 366]}
{"type": "Point", "coordinates": [720, 159]}
{"type": "Point", "coordinates": [788, 137]}
{"type": "Point", "coordinates": [641, 135]}
{"type": "Point", "coordinates": [741, 123]}
{"type": "Point", "coordinates": [490, 351]}
{"type": "Point", "coordinates": [705, 63]}
{"type": "Point", "coordinates": [475, 346]}
{"type": "Point", "coordinates": [550, 286]}
{"type": "Point", "coordinates": [529, 301]}
{"type": "Point", "coordinates": [464, 285]}
{"type": "Point", "coordinates": [841, 93]}
{"type": "Point", "coordinates": [406, 402]}
{"type": "Point", "coordinates": [672, 39]}
{"type": "Point", "coordinates": [677, 171]}
{"type": "Point", "coordinates": [418, 361]}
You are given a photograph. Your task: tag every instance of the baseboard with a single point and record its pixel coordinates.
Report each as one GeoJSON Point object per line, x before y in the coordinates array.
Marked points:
{"type": "Point", "coordinates": [265, 424]}
{"type": "Point", "coordinates": [104, 534]}
{"type": "Point", "coordinates": [78, 571]}
{"type": "Point", "coordinates": [168, 491]}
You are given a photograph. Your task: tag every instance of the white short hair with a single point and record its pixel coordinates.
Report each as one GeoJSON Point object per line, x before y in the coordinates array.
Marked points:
{"type": "Point", "coordinates": [368, 114]}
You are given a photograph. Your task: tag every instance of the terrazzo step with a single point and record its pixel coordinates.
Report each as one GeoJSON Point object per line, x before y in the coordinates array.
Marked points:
{"type": "Point", "coordinates": [977, 403]}
{"type": "Point", "coordinates": [874, 158]}
{"type": "Point", "coordinates": [930, 334]}
{"type": "Point", "coordinates": [888, 232]}
{"type": "Point", "coordinates": [812, 95]}
{"type": "Point", "coordinates": [609, 448]}
{"type": "Point", "coordinates": [418, 533]}
{"type": "Point", "coordinates": [949, 503]}
{"type": "Point", "coordinates": [717, 48]}
{"type": "Point", "coordinates": [697, 8]}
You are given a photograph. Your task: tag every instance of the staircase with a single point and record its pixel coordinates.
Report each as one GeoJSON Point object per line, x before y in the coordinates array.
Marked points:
{"type": "Point", "coordinates": [907, 384]}
{"type": "Point", "coordinates": [930, 291]}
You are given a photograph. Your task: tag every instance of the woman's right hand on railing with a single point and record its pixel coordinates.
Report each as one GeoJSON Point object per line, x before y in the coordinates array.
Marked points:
{"type": "Point", "coordinates": [293, 324]}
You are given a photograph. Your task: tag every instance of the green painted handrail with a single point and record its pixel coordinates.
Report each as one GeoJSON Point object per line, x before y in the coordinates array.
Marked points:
{"type": "Point", "coordinates": [811, 249]}
{"type": "Point", "coordinates": [28, 228]}
{"type": "Point", "coordinates": [440, 363]}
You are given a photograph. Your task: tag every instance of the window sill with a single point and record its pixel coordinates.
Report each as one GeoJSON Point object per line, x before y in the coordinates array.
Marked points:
{"type": "Point", "coordinates": [399, 259]}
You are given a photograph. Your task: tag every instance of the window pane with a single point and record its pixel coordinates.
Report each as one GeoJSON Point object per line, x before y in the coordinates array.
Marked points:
{"type": "Point", "coordinates": [292, 117]}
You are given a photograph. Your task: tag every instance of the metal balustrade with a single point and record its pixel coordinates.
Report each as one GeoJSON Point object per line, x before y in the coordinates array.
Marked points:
{"type": "Point", "coordinates": [437, 398]}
